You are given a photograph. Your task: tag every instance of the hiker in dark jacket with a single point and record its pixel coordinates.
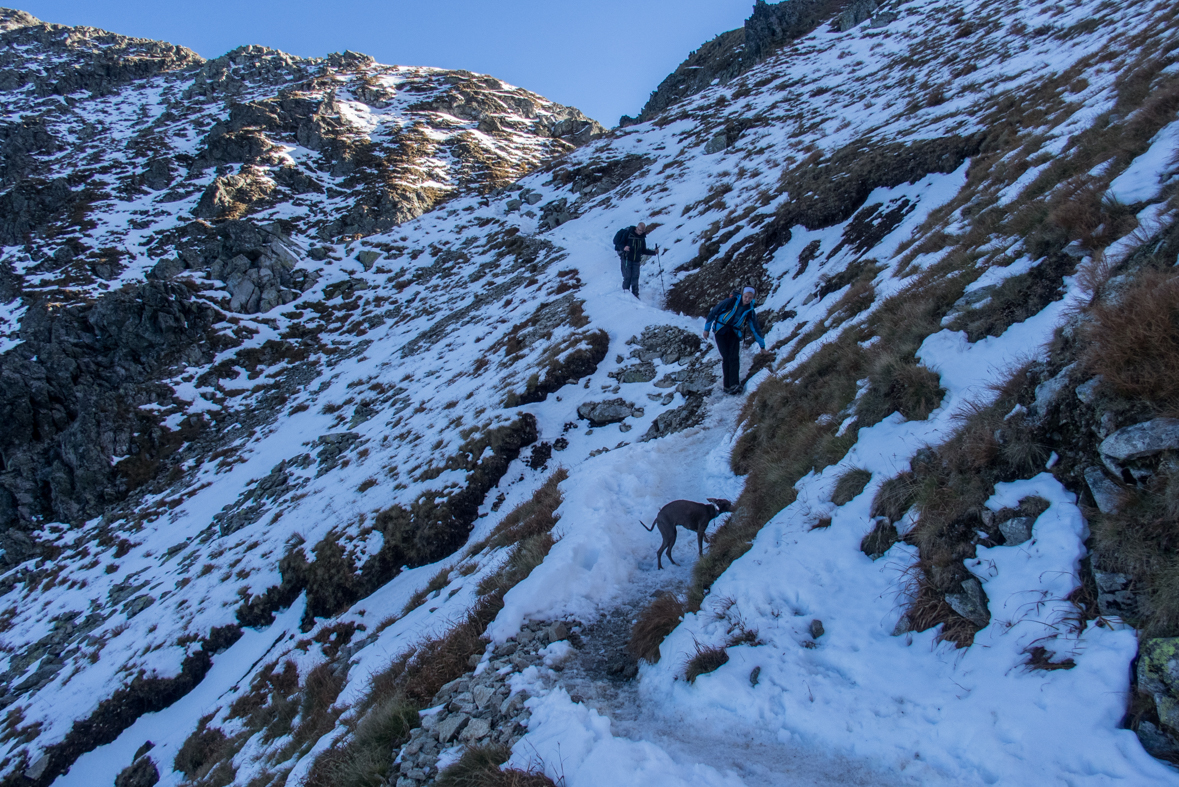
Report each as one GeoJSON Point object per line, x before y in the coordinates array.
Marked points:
{"type": "Point", "coordinates": [730, 317]}
{"type": "Point", "coordinates": [631, 245]}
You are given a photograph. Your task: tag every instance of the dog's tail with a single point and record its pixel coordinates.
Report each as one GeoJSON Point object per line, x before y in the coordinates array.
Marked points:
{"type": "Point", "coordinates": [644, 524]}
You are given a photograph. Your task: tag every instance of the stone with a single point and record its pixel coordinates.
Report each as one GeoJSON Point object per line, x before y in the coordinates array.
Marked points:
{"type": "Point", "coordinates": [971, 602]}
{"type": "Point", "coordinates": [1158, 676]}
{"type": "Point", "coordinates": [816, 628]}
{"type": "Point", "coordinates": [532, 198]}
{"type": "Point", "coordinates": [38, 768]}
{"type": "Point", "coordinates": [754, 675]}
{"type": "Point", "coordinates": [611, 411]}
{"type": "Point", "coordinates": [557, 632]}
{"type": "Point", "coordinates": [318, 253]}
{"type": "Point", "coordinates": [1087, 391]}
{"type": "Point", "coordinates": [1142, 440]}
{"type": "Point", "coordinates": [140, 773]}
{"type": "Point", "coordinates": [1156, 742]}
{"type": "Point", "coordinates": [512, 204]}
{"type": "Point", "coordinates": [637, 373]}
{"type": "Point", "coordinates": [451, 726]}
{"type": "Point", "coordinates": [482, 696]}
{"type": "Point", "coordinates": [717, 143]}
{"type": "Point", "coordinates": [1115, 595]}
{"type": "Point", "coordinates": [855, 13]}
{"type": "Point", "coordinates": [476, 730]}
{"type": "Point", "coordinates": [368, 258]}
{"type": "Point", "coordinates": [1017, 530]}
{"type": "Point", "coordinates": [1106, 494]}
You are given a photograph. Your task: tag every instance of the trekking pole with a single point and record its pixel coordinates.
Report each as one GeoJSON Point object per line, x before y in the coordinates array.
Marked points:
{"type": "Point", "coordinates": [659, 259]}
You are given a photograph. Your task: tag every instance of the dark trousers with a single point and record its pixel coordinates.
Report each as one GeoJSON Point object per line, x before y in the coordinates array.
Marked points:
{"type": "Point", "coordinates": [630, 274]}
{"type": "Point", "coordinates": [729, 344]}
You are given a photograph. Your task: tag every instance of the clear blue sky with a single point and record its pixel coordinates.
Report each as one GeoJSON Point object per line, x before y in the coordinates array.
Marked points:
{"type": "Point", "coordinates": [602, 57]}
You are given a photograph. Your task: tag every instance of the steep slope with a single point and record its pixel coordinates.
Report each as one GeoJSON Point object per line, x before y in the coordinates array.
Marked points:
{"type": "Point", "coordinates": [929, 208]}
{"type": "Point", "coordinates": [127, 162]}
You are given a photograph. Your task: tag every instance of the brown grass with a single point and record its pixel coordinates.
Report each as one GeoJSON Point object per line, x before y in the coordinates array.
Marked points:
{"type": "Point", "coordinates": [850, 484]}
{"type": "Point", "coordinates": [389, 711]}
{"type": "Point", "coordinates": [1133, 342]}
{"type": "Point", "coordinates": [480, 767]}
{"type": "Point", "coordinates": [652, 627]}
{"type": "Point", "coordinates": [707, 659]}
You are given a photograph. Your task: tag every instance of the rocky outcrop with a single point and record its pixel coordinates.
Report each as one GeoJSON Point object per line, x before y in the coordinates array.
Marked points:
{"type": "Point", "coordinates": [482, 708]}
{"type": "Point", "coordinates": [769, 27]}
{"type": "Point", "coordinates": [70, 398]}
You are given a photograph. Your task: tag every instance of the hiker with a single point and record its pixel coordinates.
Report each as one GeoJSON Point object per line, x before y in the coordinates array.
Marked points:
{"type": "Point", "coordinates": [730, 317]}
{"type": "Point", "coordinates": [631, 245]}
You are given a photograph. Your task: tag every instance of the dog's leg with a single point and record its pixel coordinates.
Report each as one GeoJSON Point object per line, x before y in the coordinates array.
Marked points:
{"type": "Point", "coordinates": [700, 538]}
{"type": "Point", "coordinates": [671, 543]}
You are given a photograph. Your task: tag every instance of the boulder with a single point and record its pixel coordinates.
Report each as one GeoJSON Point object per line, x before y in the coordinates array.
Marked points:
{"type": "Point", "coordinates": [1142, 440]}
{"type": "Point", "coordinates": [1158, 676]}
{"type": "Point", "coordinates": [451, 726]}
{"type": "Point", "coordinates": [368, 258]}
{"type": "Point", "coordinates": [855, 13]}
{"type": "Point", "coordinates": [971, 602]}
{"type": "Point", "coordinates": [1115, 595]}
{"type": "Point", "coordinates": [1017, 530]}
{"type": "Point", "coordinates": [611, 411]}
{"type": "Point", "coordinates": [1106, 493]}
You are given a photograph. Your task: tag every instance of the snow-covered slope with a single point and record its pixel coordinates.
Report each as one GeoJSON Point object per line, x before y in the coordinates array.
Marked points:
{"type": "Point", "coordinates": [341, 466]}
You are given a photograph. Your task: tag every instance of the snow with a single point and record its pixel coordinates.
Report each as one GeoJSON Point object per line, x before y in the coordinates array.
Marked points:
{"type": "Point", "coordinates": [1146, 176]}
{"type": "Point", "coordinates": [860, 707]}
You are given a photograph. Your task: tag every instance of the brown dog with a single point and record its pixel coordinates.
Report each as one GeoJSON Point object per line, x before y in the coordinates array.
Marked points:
{"type": "Point", "coordinates": [685, 513]}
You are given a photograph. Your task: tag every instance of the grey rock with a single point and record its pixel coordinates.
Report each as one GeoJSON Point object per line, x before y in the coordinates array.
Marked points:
{"type": "Point", "coordinates": [451, 726]}
{"type": "Point", "coordinates": [1087, 391]}
{"type": "Point", "coordinates": [1156, 742]}
{"type": "Point", "coordinates": [38, 768]}
{"type": "Point", "coordinates": [1048, 393]}
{"type": "Point", "coordinates": [903, 626]}
{"type": "Point", "coordinates": [816, 628]}
{"type": "Point", "coordinates": [557, 632]}
{"type": "Point", "coordinates": [754, 676]}
{"type": "Point", "coordinates": [1106, 493]}
{"type": "Point", "coordinates": [482, 696]}
{"type": "Point", "coordinates": [368, 258]}
{"type": "Point", "coordinates": [855, 13]}
{"type": "Point", "coordinates": [687, 415]}
{"type": "Point", "coordinates": [140, 773]}
{"type": "Point", "coordinates": [476, 730]}
{"type": "Point", "coordinates": [1115, 594]}
{"type": "Point", "coordinates": [1158, 676]}
{"type": "Point", "coordinates": [1142, 440]}
{"type": "Point", "coordinates": [716, 143]}
{"type": "Point", "coordinates": [532, 198]}
{"type": "Point", "coordinates": [513, 204]}
{"type": "Point", "coordinates": [636, 373]}
{"type": "Point", "coordinates": [1017, 530]}
{"type": "Point", "coordinates": [611, 411]}
{"type": "Point", "coordinates": [971, 603]}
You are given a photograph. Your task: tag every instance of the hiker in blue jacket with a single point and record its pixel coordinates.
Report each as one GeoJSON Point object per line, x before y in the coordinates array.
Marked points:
{"type": "Point", "coordinates": [730, 317]}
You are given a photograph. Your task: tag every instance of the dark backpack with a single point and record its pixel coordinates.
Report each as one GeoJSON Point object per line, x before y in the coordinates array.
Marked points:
{"type": "Point", "coordinates": [620, 238]}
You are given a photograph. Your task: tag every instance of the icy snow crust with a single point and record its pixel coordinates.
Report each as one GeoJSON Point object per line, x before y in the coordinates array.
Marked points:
{"type": "Point", "coordinates": [903, 706]}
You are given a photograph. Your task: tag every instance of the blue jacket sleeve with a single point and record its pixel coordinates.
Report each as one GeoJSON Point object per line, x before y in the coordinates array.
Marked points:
{"type": "Point", "coordinates": [755, 328]}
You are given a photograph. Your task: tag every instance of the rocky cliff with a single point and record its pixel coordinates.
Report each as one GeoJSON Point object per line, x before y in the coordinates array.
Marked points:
{"type": "Point", "coordinates": [123, 159]}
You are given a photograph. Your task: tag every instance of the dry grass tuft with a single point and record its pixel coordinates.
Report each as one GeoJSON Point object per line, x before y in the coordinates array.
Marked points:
{"type": "Point", "coordinates": [654, 624]}
{"type": "Point", "coordinates": [1133, 341]}
{"type": "Point", "coordinates": [480, 767]}
{"type": "Point", "coordinates": [849, 485]}
{"type": "Point", "coordinates": [707, 659]}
